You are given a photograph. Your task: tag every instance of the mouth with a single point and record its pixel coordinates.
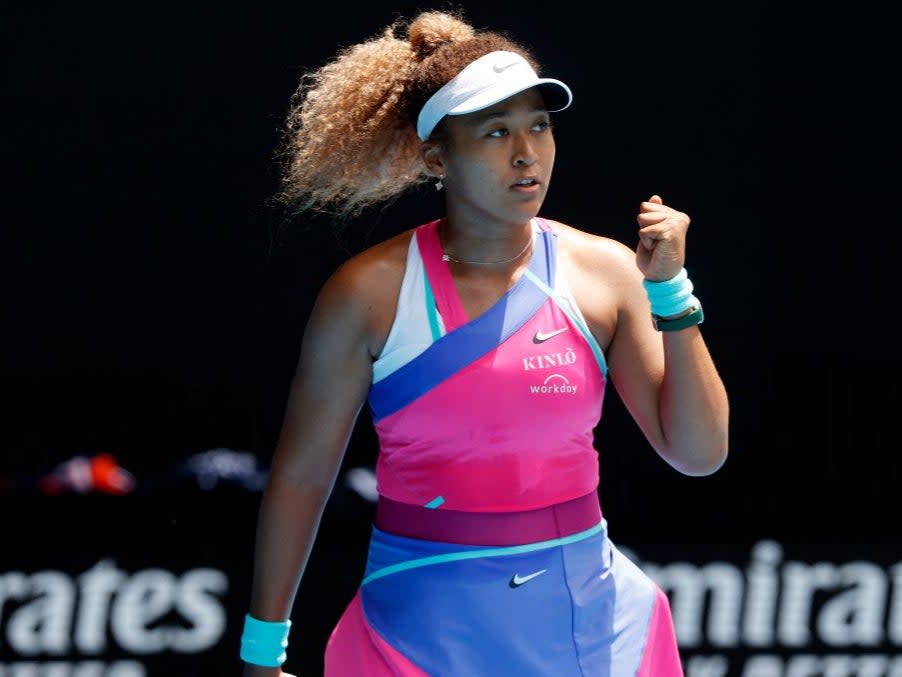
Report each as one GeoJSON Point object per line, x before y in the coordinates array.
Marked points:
{"type": "Point", "coordinates": [526, 183]}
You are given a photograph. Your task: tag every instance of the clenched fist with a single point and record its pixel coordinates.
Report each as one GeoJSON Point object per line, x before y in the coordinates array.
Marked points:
{"type": "Point", "coordinates": [661, 251]}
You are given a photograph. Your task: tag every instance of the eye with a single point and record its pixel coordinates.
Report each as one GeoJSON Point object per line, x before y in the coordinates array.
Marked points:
{"type": "Point", "coordinates": [542, 126]}
{"type": "Point", "coordinates": [498, 133]}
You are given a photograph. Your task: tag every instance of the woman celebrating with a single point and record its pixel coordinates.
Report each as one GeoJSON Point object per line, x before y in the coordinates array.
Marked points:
{"type": "Point", "coordinates": [482, 343]}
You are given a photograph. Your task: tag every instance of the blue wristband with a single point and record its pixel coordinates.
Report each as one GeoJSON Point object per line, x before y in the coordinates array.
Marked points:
{"type": "Point", "coordinates": [666, 286]}
{"type": "Point", "coordinates": [674, 306]}
{"type": "Point", "coordinates": [671, 297]}
{"type": "Point", "coordinates": [264, 642]}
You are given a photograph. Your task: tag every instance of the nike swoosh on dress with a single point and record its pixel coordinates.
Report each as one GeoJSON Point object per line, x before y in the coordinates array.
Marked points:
{"type": "Point", "coordinates": [519, 580]}
{"type": "Point", "coordinates": [541, 336]}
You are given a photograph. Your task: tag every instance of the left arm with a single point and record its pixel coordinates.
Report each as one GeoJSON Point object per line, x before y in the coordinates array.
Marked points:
{"type": "Point", "coordinates": [670, 386]}
{"type": "Point", "coordinates": [667, 380]}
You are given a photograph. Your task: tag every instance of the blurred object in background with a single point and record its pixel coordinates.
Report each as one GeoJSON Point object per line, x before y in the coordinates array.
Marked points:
{"type": "Point", "coordinates": [83, 475]}
{"type": "Point", "coordinates": [221, 468]}
{"type": "Point", "coordinates": [363, 481]}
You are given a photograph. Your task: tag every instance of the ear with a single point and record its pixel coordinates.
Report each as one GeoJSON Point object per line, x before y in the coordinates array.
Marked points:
{"type": "Point", "coordinates": [431, 152]}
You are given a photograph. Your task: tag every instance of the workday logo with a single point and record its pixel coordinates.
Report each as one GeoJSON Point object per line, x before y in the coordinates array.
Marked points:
{"type": "Point", "coordinates": [555, 384]}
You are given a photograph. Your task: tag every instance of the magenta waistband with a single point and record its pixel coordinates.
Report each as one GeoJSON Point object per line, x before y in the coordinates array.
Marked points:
{"type": "Point", "coordinates": [488, 528]}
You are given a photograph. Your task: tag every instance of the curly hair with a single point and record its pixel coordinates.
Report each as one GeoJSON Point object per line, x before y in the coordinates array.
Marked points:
{"type": "Point", "coordinates": [349, 139]}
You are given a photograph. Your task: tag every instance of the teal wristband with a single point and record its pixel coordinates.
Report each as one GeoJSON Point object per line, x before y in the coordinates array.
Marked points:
{"type": "Point", "coordinates": [666, 286]}
{"type": "Point", "coordinates": [674, 305]}
{"type": "Point", "coordinates": [671, 297]}
{"type": "Point", "coordinates": [264, 642]}
{"type": "Point", "coordinates": [697, 316]}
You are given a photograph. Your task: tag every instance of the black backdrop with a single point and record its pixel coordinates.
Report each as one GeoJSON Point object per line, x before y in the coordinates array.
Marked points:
{"type": "Point", "coordinates": [154, 303]}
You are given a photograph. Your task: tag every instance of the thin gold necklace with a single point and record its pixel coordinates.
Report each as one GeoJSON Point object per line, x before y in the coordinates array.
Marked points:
{"type": "Point", "coordinates": [453, 259]}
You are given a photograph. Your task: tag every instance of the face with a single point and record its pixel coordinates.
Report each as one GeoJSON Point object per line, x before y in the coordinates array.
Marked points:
{"type": "Point", "coordinates": [497, 162]}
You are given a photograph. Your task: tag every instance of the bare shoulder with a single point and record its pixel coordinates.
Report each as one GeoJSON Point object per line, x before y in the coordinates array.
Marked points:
{"type": "Point", "coordinates": [364, 289]}
{"type": "Point", "coordinates": [586, 252]}
{"type": "Point", "coordinates": [362, 275]}
{"type": "Point", "coordinates": [602, 275]}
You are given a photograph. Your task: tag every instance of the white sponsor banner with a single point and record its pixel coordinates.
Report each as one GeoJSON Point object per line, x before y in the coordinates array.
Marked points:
{"type": "Point", "coordinates": [73, 669]}
{"type": "Point", "coordinates": [772, 616]}
{"type": "Point", "coordinates": [105, 612]}
{"type": "Point", "coordinates": [754, 612]}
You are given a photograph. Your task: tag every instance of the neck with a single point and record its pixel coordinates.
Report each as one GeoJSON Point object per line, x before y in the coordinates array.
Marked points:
{"type": "Point", "coordinates": [479, 248]}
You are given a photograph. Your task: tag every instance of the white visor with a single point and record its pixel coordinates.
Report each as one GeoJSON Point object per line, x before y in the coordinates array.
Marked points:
{"type": "Point", "coordinates": [488, 80]}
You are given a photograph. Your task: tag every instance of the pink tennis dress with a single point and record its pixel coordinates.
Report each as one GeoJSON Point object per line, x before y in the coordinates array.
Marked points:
{"type": "Point", "coordinates": [489, 554]}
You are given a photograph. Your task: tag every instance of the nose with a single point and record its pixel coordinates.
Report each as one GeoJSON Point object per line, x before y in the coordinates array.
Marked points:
{"type": "Point", "coordinates": [524, 154]}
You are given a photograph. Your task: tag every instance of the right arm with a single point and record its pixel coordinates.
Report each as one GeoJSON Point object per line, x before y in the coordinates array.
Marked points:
{"type": "Point", "coordinates": [327, 392]}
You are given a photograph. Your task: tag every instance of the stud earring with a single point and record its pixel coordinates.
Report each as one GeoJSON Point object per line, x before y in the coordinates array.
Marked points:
{"type": "Point", "coordinates": [438, 184]}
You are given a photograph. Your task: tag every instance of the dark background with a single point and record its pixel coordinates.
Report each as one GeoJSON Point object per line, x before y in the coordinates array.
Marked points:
{"type": "Point", "coordinates": [155, 301]}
